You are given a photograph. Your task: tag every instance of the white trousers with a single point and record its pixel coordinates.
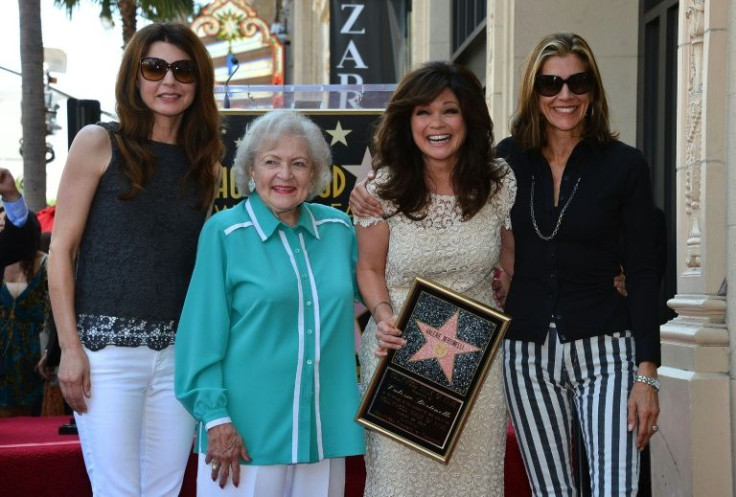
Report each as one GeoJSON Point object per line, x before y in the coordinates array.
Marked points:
{"type": "Point", "coordinates": [321, 479]}
{"type": "Point", "coordinates": [136, 437]}
{"type": "Point", "coordinates": [589, 379]}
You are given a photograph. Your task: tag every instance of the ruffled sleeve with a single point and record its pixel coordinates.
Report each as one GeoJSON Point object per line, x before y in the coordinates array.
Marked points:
{"type": "Point", "coordinates": [506, 194]}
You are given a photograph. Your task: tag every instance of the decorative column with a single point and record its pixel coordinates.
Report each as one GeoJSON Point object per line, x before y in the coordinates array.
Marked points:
{"type": "Point", "coordinates": [692, 453]}
{"type": "Point", "coordinates": [310, 41]}
{"type": "Point", "coordinates": [431, 31]}
{"type": "Point", "coordinates": [500, 67]}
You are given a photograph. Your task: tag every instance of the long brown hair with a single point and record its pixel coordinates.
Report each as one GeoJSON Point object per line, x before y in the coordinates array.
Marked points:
{"type": "Point", "coordinates": [199, 133]}
{"type": "Point", "coordinates": [28, 263]}
{"type": "Point", "coordinates": [475, 176]}
{"type": "Point", "coordinates": [528, 125]}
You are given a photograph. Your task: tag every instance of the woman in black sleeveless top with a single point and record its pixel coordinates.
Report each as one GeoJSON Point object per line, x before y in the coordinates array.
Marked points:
{"type": "Point", "coordinates": [132, 200]}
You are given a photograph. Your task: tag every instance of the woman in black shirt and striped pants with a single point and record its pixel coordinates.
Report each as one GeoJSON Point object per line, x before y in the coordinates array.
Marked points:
{"type": "Point", "coordinates": [576, 348]}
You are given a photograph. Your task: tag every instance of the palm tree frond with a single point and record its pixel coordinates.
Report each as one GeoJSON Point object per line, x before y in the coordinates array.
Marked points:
{"type": "Point", "coordinates": [164, 10]}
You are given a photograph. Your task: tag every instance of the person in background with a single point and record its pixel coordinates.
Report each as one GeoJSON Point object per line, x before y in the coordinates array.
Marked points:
{"type": "Point", "coordinates": [576, 348]}
{"type": "Point", "coordinates": [132, 200]}
{"type": "Point", "coordinates": [265, 354]}
{"type": "Point", "coordinates": [444, 212]}
{"type": "Point", "coordinates": [17, 239]}
{"type": "Point", "coordinates": [24, 309]}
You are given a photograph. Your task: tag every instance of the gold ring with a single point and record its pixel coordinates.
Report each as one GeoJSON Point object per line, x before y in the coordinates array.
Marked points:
{"type": "Point", "coordinates": [215, 466]}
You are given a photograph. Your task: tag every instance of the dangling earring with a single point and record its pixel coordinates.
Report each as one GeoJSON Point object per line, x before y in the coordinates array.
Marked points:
{"type": "Point", "coordinates": [251, 185]}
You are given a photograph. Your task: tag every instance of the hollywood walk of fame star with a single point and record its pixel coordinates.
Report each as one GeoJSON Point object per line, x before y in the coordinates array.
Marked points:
{"type": "Point", "coordinates": [442, 344]}
{"type": "Point", "coordinates": [338, 134]}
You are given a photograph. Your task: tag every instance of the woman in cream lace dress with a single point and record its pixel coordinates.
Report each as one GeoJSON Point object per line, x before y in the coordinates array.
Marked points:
{"type": "Point", "coordinates": [446, 203]}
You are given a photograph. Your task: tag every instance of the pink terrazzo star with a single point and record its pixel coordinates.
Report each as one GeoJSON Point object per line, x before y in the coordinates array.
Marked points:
{"type": "Point", "coordinates": [443, 345]}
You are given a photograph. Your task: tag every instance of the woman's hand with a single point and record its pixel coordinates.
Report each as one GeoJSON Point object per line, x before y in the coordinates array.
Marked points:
{"type": "Point", "coordinates": [619, 283]}
{"type": "Point", "coordinates": [8, 189]}
{"type": "Point", "coordinates": [388, 335]}
{"type": "Point", "coordinates": [362, 203]}
{"type": "Point", "coordinates": [43, 369]}
{"type": "Point", "coordinates": [225, 449]}
{"type": "Point", "coordinates": [643, 407]}
{"type": "Point", "coordinates": [501, 284]}
{"type": "Point", "coordinates": [74, 378]}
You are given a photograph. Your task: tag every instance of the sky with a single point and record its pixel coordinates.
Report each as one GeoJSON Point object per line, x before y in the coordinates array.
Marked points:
{"type": "Point", "coordinates": [93, 54]}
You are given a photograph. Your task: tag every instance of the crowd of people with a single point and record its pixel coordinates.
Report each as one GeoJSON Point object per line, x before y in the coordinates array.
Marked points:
{"type": "Point", "coordinates": [233, 332]}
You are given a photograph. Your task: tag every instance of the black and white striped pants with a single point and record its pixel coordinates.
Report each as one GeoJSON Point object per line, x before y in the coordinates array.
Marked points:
{"type": "Point", "coordinates": [589, 379]}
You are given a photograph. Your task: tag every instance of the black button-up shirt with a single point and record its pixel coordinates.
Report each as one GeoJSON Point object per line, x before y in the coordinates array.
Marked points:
{"type": "Point", "coordinates": [569, 279]}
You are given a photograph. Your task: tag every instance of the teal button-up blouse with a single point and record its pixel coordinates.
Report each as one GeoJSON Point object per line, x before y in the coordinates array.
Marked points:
{"type": "Point", "coordinates": [266, 334]}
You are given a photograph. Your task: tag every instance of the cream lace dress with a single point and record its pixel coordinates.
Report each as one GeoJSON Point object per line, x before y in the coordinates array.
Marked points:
{"type": "Point", "coordinates": [460, 255]}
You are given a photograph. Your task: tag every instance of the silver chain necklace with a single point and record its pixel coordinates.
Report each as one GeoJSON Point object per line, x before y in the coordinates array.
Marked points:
{"type": "Point", "coordinates": [559, 218]}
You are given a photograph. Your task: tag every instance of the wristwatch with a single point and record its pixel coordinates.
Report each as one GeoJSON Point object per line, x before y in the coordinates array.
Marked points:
{"type": "Point", "coordinates": [652, 382]}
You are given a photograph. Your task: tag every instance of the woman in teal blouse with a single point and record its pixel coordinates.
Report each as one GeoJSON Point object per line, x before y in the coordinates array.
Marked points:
{"type": "Point", "coordinates": [265, 348]}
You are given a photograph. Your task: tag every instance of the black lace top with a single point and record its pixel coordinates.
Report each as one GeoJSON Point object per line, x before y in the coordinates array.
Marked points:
{"type": "Point", "coordinates": [136, 256]}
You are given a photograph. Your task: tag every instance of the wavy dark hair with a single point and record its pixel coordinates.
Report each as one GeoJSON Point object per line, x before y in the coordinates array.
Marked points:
{"type": "Point", "coordinates": [199, 133]}
{"type": "Point", "coordinates": [28, 263]}
{"type": "Point", "coordinates": [528, 125]}
{"type": "Point", "coordinates": [475, 177]}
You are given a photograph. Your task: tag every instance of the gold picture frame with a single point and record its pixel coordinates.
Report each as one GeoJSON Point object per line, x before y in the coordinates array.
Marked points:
{"type": "Point", "coordinates": [421, 395]}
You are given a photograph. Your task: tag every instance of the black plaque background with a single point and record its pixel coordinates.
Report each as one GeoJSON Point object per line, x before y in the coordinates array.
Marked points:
{"type": "Point", "coordinates": [390, 405]}
{"type": "Point", "coordinates": [361, 124]}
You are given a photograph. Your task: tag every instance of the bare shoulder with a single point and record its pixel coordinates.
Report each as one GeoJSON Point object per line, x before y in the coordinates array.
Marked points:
{"type": "Point", "coordinates": [91, 137]}
{"type": "Point", "coordinates": [91, 150]}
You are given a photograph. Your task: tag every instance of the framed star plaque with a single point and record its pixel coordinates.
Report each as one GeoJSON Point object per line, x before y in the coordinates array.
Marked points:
{"type": "Point", "coordinates": [421, 395]}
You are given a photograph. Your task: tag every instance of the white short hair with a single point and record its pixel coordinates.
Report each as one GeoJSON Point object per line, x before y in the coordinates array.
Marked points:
{"type": "Point", "coordinates": [266, 130]}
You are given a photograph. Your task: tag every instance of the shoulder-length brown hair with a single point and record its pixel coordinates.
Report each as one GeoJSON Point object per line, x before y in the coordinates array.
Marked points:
{"type": "Point", "coordinates": [199, 133]}
{"type": "Point", "coordinates": [475, 176]}
{"type": "Point", "coordinates": [528, 125]}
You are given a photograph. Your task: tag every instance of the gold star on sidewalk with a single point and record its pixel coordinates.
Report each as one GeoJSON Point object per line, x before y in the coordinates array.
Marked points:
{"type": "Point", "coordinates": [338, 134]}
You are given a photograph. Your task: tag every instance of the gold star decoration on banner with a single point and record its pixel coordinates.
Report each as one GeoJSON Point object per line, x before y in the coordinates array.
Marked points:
{"type": "Point", "coordinates": [338, 134]}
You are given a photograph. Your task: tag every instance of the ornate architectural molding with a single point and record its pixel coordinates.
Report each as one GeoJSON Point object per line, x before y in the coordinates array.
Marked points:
{"type": "Point", "coordinates": [233, 27]}
{"type": "Point", "coordinates": [695, 17]}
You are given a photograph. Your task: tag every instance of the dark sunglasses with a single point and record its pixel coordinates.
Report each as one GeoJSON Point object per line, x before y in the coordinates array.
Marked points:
{"type": "Point", "coordinates": [549, 85]}
{"type": "Point", "coordinates": [155, 69]}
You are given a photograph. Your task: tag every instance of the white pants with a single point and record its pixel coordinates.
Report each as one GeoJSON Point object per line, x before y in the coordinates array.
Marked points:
{"type": "Point", "coordinates": [321, 479]}
{"type": "Point", "coordinates": [136, 437]}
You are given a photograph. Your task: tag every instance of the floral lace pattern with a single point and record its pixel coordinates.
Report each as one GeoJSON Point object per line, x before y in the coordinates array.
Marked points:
{"type": "Point", "coordinates": [460, 255]}
{"type": "Point", "coordinates": [96, 332]}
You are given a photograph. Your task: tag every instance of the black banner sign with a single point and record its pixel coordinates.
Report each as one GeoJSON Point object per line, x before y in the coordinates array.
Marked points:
{"type": "Point", "coordinates": [347, 131]}
{"type": "Point", "coordinates": [367, 41]}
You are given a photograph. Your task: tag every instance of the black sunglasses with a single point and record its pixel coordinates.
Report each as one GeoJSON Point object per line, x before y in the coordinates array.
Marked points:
{"type": "Point", "coordinates": [549, 85]}
{"type": "Point", "coordinates": [155, 69]}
